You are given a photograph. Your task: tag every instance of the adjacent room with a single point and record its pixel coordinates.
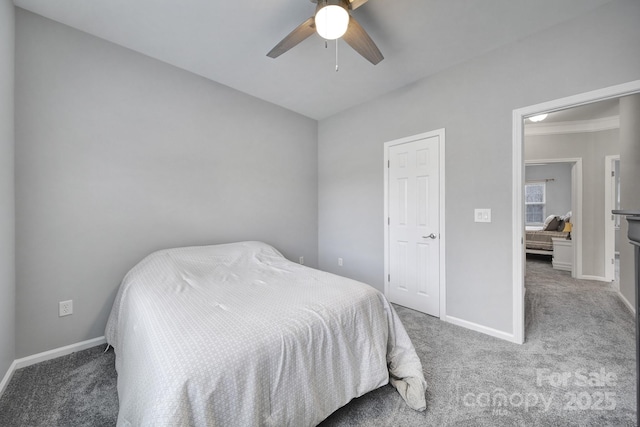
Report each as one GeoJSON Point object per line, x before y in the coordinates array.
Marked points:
{"type": "Point", "coordinates": [571, 158]}
{"type": "Point", "coordinates": [217, 213]}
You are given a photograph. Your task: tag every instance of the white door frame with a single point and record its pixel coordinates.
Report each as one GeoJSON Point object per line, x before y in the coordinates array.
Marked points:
{"type": "Point", "coordinates": [609, 225]}
{"type": "Point", "coordinates": [576, 208]}
{"type": "Point", "coordinates": [441, 150]}
{"type": "Point", "coordinates": [519, 115]}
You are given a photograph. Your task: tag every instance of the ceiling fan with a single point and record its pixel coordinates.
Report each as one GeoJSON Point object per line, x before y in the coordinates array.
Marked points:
{"type": "Point", "coordinates": [332, 21]}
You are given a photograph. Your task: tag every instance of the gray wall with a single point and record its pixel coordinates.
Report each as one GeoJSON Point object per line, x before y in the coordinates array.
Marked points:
{"type": "Point", "coordinates": [119, 155]}
{"type": "Point", "coordinates": [629, 189]}
{"type": "Point", "coordinates": [558, 186]}
{"type": "Point", "coordinates": [592, 147]}
{"type": "Point", "coordinates": [474, 102]}
{"type": "Point", "coordinates": [7, 247]}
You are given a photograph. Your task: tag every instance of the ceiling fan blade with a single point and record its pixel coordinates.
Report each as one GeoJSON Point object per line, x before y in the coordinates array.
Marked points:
{"type": "Point", "coordinates": [303, 31]}
{"type": "Point", "coordinates": [359, 40]}
{"type": "Point", "coordinates": [351, 4]}
{"type": "Point", "coordinates": [354, 4]}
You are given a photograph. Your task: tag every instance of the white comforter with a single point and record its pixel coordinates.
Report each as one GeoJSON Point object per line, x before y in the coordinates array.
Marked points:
{"type": "Point", "coordinates": [236, 335]}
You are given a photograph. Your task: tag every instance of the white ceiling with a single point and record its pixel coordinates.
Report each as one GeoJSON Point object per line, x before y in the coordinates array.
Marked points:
{"type": "Point", "coordinates": [227, 41]}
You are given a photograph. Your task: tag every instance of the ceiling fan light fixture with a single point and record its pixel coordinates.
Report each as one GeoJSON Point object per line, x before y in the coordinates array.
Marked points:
{"type": "Point", "coordinates": [324, 22]}
{"type": "Point", "coordinates": [331, 21]}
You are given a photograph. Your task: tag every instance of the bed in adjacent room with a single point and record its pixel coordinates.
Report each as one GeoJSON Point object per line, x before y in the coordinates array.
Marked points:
{"type": "Point", "coordinates": [538, 239]}
{"type": "Point", "coordinates": [238, 335]}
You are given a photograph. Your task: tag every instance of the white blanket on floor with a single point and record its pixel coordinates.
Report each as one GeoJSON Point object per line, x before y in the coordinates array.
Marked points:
{"type": "Point", "coordinates": [236, 334]}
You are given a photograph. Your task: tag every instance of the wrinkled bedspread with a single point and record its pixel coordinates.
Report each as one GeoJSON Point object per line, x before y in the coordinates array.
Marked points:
{"type": "Point", "coordinates": [236, 335]}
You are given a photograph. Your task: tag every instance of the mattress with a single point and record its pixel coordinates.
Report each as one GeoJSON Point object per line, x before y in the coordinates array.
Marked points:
{"type": "Point", "coordinates": [236, 335]}
{"type": "Point", "coordinates": [541, 240]}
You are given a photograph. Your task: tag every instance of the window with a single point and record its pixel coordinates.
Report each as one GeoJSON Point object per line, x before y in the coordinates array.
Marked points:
{"type": "Point", "coordinates": [534, 201]}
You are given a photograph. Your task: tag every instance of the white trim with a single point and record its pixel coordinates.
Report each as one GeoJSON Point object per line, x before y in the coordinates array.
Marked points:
{"type": "Point", "coordinates": [443, 241]}
{"type": "Point", "coordinates": [517, 228]}
{"type": "Point", "coordinates": [626, 302]}
{"type": "Point", "coordinates": [441, 150]}
{"type": "Point", "coordinates": [48, 355]}
{"type": "Point", "coordinates": [578, 126]}
{"type": "Point", "coordinates": [58, 352]}
{"type": "Point", "coordinates": [518, 179]}
{"type": "Point", "coordinates": [564, 266]}
{"type": "Point", "coordinates": [609, 223]}
{"type": "Point", "coordinates": [7, 377]}
{"type": "Point", "coordinates": [595, 278]}
{"type": "Point", "coordinates": [576, 217]}
{"type": "Point", "coordinates": [482, 329]}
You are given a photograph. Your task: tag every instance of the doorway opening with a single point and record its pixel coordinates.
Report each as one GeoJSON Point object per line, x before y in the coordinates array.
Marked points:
{"type": "Point", "coordinates": [561, 180]}
{"type": "Point", "coordinates": [519, 116]}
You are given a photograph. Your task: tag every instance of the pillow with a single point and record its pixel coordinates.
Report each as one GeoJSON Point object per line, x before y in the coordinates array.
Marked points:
{"type": "Point", "coordinates": [553, 224]}
{"type": "Point", "coordinates": [547, 221]}
{"type": "Point", "coordinates": [561, 224]}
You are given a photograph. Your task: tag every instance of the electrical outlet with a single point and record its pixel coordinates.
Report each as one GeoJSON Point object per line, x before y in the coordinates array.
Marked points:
{"type": "Point", "coordinates": [340, 262]}
{"type": "Point", "coordinates": [301, 260]}
{"type": "Point", "coordinates": [65, 308]}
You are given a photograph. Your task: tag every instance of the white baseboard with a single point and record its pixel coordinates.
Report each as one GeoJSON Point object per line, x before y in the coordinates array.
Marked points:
{"type": "Point", "coordinates": [48, 355]}
{"type": "Point", "coordinates": [7, 377]}
{"type": "Point", "coordinates": [597, 278]}
{"type": "Point", "coordinates": [480, 328]}
{"type": "Point", "coordinates": [565, 266]}
{"type": "Point", "coordinates": [57, 352]}
{"type": "Point", "coordinates": [626, 302]}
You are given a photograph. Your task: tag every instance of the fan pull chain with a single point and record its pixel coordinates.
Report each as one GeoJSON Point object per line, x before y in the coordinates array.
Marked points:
{"type": "Point", "coordinates": [337, 69]}
{"type": "Point", "coordinates": [326, 18]}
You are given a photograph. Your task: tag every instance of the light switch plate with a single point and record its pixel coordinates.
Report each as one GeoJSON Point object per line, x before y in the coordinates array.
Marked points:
{"type": "Point", "coordinates": [482, 215]}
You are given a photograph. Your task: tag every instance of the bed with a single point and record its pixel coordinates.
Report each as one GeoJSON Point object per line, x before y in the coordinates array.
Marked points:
{"type": "Point", "coordinates": [237, 335]}
{"type": "Point", "coordinates": [538, 239]}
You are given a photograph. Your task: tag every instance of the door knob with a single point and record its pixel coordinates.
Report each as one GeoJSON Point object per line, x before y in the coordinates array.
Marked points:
{"type": "Point", "coordinates": [430, 236]}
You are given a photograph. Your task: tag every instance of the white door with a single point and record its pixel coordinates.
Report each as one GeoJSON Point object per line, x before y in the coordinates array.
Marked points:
{"type": "Point", "coordinates": [413, 200]}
